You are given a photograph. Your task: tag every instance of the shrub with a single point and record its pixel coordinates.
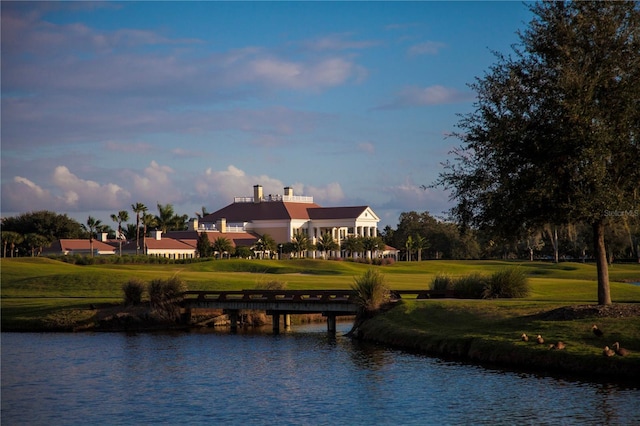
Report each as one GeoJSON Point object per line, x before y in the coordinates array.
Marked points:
{"type": "Point", "coordinates": [371, 291]}
{"type": "Point", "coordinates": [165, 297]}
{"type": "Point", "coordinates": [470, 286]}
{"type": "Point", "coordinates": [507, 283]}
{"type": "Point", "coordinates": [271, 285]}
{"type": "Point", "coordinates": [442, 282]}
{"type": "Point", "coordinates": [133, 290]}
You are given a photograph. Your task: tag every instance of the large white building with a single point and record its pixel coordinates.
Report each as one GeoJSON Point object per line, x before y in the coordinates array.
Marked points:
{"type": "Point", "coordinates": [281, 216]}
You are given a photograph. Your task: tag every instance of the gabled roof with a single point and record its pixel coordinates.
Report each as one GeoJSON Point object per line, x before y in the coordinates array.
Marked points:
{"type": "Point", "coordinates": [167, 243]}
{"type": "Point", "coordinates": [267, 210]}
{"type": "Point", "coordinates": [78, 245]}
{"type": "Point", "coordinates": [237, 239]}
{"type": "Point", "coordinates": [336, 212]}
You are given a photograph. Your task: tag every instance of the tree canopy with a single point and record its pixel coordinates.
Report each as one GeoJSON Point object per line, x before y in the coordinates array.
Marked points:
{"type": "Point", "coordinates": [51, 225]}
{"type": "Point", "coordinates": [554, 134]}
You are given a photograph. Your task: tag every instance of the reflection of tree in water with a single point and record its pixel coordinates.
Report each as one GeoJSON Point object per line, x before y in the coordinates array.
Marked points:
{"type": "Point", "coordinates": [603, 403]}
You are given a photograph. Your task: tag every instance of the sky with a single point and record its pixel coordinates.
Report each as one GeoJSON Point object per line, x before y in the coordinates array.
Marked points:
{"type": "Point", "coordinates": [105, 105]}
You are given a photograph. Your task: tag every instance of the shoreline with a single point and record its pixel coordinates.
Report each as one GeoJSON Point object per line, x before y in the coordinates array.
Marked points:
{"type": "Point", "coordinates": [388, 328]}
{"type": "Point", "coordinates": [418, 328]}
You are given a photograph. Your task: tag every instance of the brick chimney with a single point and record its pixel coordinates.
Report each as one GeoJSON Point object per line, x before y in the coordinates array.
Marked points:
{"type": "Point", "coordinates": [288, 191]}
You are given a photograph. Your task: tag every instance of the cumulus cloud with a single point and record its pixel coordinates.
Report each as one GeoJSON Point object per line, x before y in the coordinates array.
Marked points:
{"type": "Point", "coordinates": [21, 195]}
{"type": "Point", "coordinates": [222, 186]}
{"type": "Point", "coordinates": [328, 195]}
{"type": "Point", "coordinates": [65, 192]}
{"type": "Point", "coordinates": [87, 193]}
{"type": "Point", "coordinates": [156, 183]}
{"type": "Point", "coordinates": [413, 96]}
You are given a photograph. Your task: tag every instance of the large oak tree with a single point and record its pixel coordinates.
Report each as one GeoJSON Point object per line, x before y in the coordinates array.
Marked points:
{"type": "Point", "coordinates": [554, 136]}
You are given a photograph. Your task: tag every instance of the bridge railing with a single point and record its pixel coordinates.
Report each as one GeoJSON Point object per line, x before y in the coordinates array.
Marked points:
{"type": "Point", "coordinates": [344, 296]}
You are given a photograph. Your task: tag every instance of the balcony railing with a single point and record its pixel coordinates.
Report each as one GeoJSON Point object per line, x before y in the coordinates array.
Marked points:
{"type": "Point", "coordinates": [268, 198]}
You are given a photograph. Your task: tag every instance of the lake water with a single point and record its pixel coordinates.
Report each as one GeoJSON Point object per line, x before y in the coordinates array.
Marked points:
{"type": "Point", "coordinates": [302, 377]}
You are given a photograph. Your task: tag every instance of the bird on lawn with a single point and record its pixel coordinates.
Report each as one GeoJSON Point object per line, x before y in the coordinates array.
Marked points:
{"type": "Point", "coordinates": [558, 346]}
{"type": "Point", "coordinates": [539, 339]}
{"type": "Point", "coordinates": [596, 331]}
{"type": "Point", "coordinates": [524, 337]}
{"type": "Point", "coordinates": [608, 352]}
{"type": "Point", "coordinates": [618, 350]}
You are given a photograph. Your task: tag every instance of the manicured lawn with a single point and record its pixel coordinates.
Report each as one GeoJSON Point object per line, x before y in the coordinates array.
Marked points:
{"type": "Point", "coordinates": [33, 287]}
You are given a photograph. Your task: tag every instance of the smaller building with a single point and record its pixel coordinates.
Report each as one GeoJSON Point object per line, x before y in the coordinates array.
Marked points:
{"type": "Point", "coordinates": [70, 247]}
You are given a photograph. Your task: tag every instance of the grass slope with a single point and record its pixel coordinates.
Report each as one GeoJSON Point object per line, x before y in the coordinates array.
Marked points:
{"type": "Point", "coordinates": [37, 291]}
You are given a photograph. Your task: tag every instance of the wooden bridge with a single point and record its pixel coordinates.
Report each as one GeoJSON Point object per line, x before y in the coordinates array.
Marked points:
{"type": "Point", "coordinates": [329, 303]}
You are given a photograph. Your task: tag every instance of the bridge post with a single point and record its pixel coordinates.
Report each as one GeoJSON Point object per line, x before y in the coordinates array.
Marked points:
{"type": "Point", "coordinates": [276, 323]}
{"type": "Point", "coordinates": [233, 319]}
{"type": "Point", "coordinates": [331, 323]}
{"type": "Point", "coordinates": [186, 316]}
{"type": "Point", "coordinates": [287, 321]}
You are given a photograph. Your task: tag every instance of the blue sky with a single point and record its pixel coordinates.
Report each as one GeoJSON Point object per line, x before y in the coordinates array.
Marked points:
{"type": "Point", "coordinates": [192, 103]}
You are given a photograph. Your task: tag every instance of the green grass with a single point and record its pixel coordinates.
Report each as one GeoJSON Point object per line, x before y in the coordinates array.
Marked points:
{"type": "Point", "coordinates": [489, 331]}
{"type": "Point", "coordinates": [33, 286]}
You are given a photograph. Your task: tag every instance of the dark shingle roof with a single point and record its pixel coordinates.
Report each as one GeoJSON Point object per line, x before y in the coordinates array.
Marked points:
{"type": "Point", "coordinates": [269, 210]}
{"type": "Point", "coordinates": [336, 212]}
{"type": "Point", "coordinates": [247, 212]}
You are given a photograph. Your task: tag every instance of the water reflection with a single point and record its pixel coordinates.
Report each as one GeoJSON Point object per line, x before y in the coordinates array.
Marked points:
{"type": "Point", "coordinates": [301, 377]}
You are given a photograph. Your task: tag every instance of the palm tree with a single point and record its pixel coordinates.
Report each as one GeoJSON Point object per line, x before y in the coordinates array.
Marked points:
{"type": "Point", "coordinates": [10, 238]}
{"type": "Point", "coordinates": [420, 243]}
{"type": "Point", "coordinates": [138, 209]}
{"type": "Point", "coordinates": [203, 213]}
{"type": "Point", "coordinates": [148, 220]}
{"type": "Point", "coordinates": [371, 245]}
{"type": "Point", "coordinates": [92, 226]}
{"type": "Point", "coordinates": [222, 245]}
{"type": "Point", "coordinates": [167, 219]}
{"type": "Point", "coordinates": [268, 243]}
{"type": "Point", "coordinates": [36, 241]}
{"type": "Point", "coordinates": [300, 242]}
{"type": "Point", "coordinates": [122, 216]}
{"type": "Point", "coordinates": [409, 246]}
{"type": "Point", "coordinates": [352, 245]}
{"type": "Point", "coordinates": [326, 243]}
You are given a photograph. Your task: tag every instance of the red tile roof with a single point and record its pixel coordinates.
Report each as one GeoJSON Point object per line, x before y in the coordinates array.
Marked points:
{"type": "Point", "coordinates": [167, 243]}
{"type": "Point", "coordinates": [237, 239]}
{"type": "Point", "coordinates": [77, 245]}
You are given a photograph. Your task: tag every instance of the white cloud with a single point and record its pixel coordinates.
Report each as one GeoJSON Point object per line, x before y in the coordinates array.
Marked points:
{"type": "Point", "coordinates": [338, 42]}
{"type": "Point", "coordinates": [88, 194]}
{"type": "Point", "coordinates": [426, 48]}
{"type": "Point", "coordinates": [275, 73]}
{"type": "Point", "coordinates": [66, 192]}
{"type": "Point", "coordinates": [223, 185]}
{"type": "Point", "coordinates": [408, 196]}
{"type": "Point", "coordinates": [328, 195]}
{"type": "Point", "coordinates": [367, 147]}
{"type": "Point", "coordinates": [21, 195]}
{"type": "Point", "coordinates": [413, 96]}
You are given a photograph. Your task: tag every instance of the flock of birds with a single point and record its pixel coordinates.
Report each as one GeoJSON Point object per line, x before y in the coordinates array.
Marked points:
{"type": "Point", "coordinates": [615, 349]}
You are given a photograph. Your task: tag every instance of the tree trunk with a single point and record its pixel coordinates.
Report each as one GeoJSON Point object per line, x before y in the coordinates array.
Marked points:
{"type": "Point", "coordinates": [604, 293]}
{"type": "Point", "coordinates": [555, 244]}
